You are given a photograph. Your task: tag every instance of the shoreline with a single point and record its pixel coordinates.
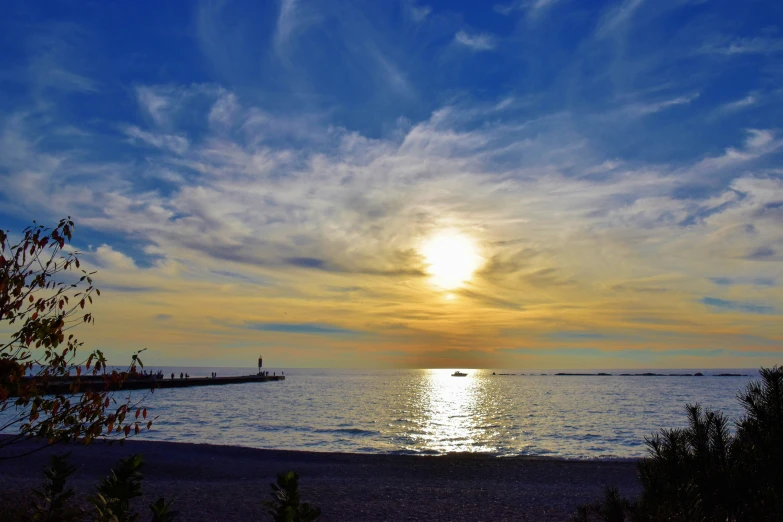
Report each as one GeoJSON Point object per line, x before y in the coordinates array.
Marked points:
{"type": "Point", "coordinates": [397, 453]}
{"type": "Point", "coordinates": [223, 482]}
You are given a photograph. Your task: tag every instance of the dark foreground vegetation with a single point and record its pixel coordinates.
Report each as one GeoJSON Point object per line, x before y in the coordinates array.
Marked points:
{"type": "Point", "coordinates": [707, 471]}
{"type": "Point", "coordinates": [112, 498]}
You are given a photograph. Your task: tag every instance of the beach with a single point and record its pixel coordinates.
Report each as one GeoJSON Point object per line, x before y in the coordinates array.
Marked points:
{"type": "Point", "coordinates": [228, 483]}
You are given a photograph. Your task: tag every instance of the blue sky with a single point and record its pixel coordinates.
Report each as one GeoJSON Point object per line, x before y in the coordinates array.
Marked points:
{"type": "Point", "coordinates": [280, 164]}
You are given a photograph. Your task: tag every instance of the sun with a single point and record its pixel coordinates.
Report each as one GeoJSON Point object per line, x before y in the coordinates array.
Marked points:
{"type": "Point", "coordinates": [451, 258]}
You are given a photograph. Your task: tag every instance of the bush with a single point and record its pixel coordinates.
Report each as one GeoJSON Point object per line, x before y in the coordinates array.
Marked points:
{"type": "Point", "coordinates": [285, 505]}
{"type": "Point", "coordinates": [111, 502]}
{"type": "Point", "coordinates": [612, 509]}
{"type": "Point", "coordinates": [54, 500]}
{"type": "Point", "coordinates": [706, 473]}
{"type": "Point", "coordinates": [114, 493]}
{"type": "Point", "coordinates": [160, 511]}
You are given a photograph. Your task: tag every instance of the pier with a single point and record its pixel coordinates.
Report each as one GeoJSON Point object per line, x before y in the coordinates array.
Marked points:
{"type": "Point", "coordinates": [98, 383]}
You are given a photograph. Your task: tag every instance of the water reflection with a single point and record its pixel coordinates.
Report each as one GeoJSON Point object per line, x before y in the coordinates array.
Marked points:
{"type": "Point", "coordinates": [428, 411]}
{"type": "Point", "coordinates": [458, 414]}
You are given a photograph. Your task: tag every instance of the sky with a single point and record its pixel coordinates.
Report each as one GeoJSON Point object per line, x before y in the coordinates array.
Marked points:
{"type": "Point", "coordinates": [400, 183]}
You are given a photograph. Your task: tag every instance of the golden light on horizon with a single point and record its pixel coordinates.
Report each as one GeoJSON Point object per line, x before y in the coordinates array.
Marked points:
{"type": "Point", "coordinates": [451, 258]}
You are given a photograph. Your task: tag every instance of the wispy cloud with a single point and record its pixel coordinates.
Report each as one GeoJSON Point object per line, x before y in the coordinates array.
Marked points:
{"type": "Point", "coordinates": [731, 281]}
{"type": "Point", "coordinates": [652, 107]}
{"type": "Point", "coordinates": [156, 102]}
{"type": "Point", "coordinates": [287, 22]}
{"type": "Point", "coordinates": [739, 306]}
{"type": "Point", "coordinates": [618, 16]}
{"type": "Point", "coordinates": [53, 64]}
{"type": "Point", "coordinates": [419, 13]}
{"type": "Point", "coordinates": [532, 8]}
{"type": "Point", "coordinates": [742, 46]}
{"type": "Point", "coordinates": [301, 328]}
{"type": "Point", "coordinates": [738, 105]}
{"type": "Point", "coordinates": [176, 144]}
{"type": "Point", "coordinates": [476, 42]}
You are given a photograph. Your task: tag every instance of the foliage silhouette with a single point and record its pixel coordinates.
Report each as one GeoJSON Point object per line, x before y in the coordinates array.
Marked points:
{"type": "Point", "coordinates": [285, 505]}
{"type": "Point", "coordinates": [54, 502]}
{"type": "Point", "coordinates": [45, 293]}
{"type": "Point", "coordinates": [707, 473]}
{"type": "Point", "coordinates": [54, 499]}
{"type": "Point", "coordinates": [111, 501]}
{"type": "Point", "coordinates": [612, 509]}
{"type": "Point", "coordinates": [161, 511]}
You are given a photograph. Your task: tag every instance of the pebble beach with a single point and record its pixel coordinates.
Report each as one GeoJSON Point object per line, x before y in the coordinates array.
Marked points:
{"type": "Point", "coordinates": [226, 483]}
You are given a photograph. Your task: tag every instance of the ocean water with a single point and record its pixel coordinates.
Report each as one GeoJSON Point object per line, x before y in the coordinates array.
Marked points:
{"type": "Point", "coordinates": [430, 412]}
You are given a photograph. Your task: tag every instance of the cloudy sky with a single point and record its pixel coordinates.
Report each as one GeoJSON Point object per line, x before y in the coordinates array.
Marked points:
{"type": "Point", "coordinates": [282, 178]}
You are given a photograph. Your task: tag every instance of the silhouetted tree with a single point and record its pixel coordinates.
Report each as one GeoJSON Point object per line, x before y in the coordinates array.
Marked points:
{"type": "Point", "coordinates": [706, 473]}
{"type": "Point", "coordinates": [45, 294]}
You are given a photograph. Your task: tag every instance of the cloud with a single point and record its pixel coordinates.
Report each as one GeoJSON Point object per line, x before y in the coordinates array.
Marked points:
{"type": "Point", "coordinates": [302, 328]}
{"type": "Point", "coordinates": [107, 257]}
{"type": "Point", "coordinates": [750, 308]}
{"type": "Point", "coordinates": [48, 73]}
{"type": "Point", "coordinates": [225, 110]}
{"type": "Point", "coordinates": [762, 253]}
{"type": "Point", "coordinates": [173, 143]}
{"type": "Point", "coordinates": [730, 281]}
{"type": "Point", "coordinates": [307, 262]}
{"type": "Point", "coordinates": [758, 143]}
{"type": "Point", "coordinates": [286, 22]}
{"type": "Point", "coordinates": [393, 75]}
{"type": "Point", "coordinates": [154, 103]}
{"type": "Point", "coordinates": [618, 17]}
{"type": "Point", "coordinates": [653, 107]}
{"type": "Point", "coordinates": [745, 46]}
{"type": "Point", "coordinates": [738, 105]}
{"type": "Point", "coordinates": [533, 8]}
{"type": "Point", "coordinates": [476, 42]}
{"type": "Point", "coordinates": [573, 237]}
{"type": "Point", "coordinates": [643, 354]}
{"type": "Point", "coordinates": [297, 183]}
{"type": "Point", "coordinates": [54, 63]}
{"type": "Point", "coordinates": [419, 13]}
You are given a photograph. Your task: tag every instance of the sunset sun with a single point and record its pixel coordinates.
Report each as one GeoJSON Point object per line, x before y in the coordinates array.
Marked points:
{"type": "Point", "coordinates": [451, 259]}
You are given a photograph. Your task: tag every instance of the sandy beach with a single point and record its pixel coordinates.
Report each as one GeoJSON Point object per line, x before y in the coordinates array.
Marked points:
{"type": "Point", "coordinates": [225, 483]}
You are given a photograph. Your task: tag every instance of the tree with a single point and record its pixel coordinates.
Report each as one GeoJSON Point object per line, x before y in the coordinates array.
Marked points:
{"type": "Point", "coordinates": [45, 294]}
{"type": "Point", "coordinates": [706, 472]}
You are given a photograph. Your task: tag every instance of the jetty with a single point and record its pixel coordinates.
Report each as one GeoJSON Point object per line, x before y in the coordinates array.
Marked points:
{"type": "Point", "coordinates": [100, 383]}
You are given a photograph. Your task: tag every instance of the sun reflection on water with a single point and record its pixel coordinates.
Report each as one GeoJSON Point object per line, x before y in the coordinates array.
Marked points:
{"type": "Point", "coordinates": [454, 412]}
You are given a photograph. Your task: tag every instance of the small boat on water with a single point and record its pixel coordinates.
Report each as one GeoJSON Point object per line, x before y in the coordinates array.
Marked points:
{"type": "Point", "coordinates": [459, 374]}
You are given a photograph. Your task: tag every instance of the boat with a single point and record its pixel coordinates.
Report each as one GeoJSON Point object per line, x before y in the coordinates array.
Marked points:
{"type": "Point", "coordinates": [459, 374]}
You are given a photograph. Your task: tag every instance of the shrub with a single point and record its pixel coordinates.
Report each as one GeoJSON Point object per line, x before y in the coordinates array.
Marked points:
{"type": "Point", "coordinates": [54, 502]}
{"type": "Point", "coordinates": [285, 505]}
{"type": "Point", "coordinates": [111, 501]}
{"type": "Point", "coordinates": [54, 499]}
{"type": "Point", "coordinates": [160, 511]}
{"type": "Point", "coordinates": [706, 473]}
{"type": "Point", "coordinates": [613, 508]}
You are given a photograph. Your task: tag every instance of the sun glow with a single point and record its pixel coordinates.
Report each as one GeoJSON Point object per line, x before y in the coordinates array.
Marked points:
{"type": "Point", "coordinates": [451, 259]}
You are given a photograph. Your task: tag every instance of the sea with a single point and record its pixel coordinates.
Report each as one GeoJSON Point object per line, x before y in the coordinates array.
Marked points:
{"type": "Point", "coordinates": [429, 412]}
